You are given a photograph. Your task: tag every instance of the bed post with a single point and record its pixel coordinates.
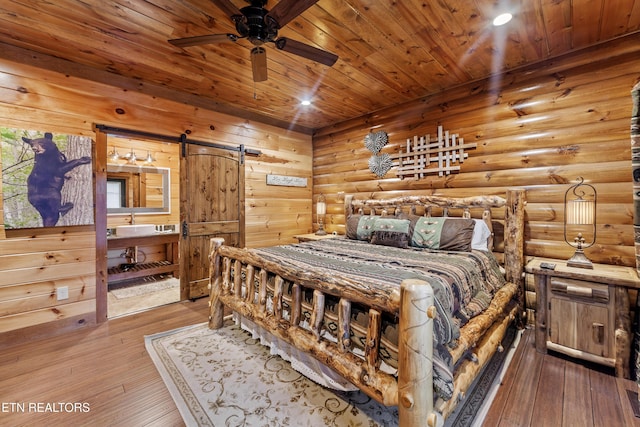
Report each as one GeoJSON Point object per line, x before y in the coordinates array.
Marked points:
{"type": "Point", "coordinates": [216, 308]}
{"type": "Point", "coordinates": [514, 236]}
{"type": "Point", "coordinates": [415, 354]}
{"type": "Point", "coordinates": [514, 244]}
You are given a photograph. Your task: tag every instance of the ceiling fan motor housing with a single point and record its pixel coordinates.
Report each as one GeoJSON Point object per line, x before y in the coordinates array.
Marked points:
{"type": "Point", "coordinates": [255, 25]}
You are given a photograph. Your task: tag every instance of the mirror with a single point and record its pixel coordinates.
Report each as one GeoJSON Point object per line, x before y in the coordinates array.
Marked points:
{"type": "Point", "coordinates": [139, 189]}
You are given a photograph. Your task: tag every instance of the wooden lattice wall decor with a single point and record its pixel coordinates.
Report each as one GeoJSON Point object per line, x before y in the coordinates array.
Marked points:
{"type": "Point", "coordinates": [425, 155]}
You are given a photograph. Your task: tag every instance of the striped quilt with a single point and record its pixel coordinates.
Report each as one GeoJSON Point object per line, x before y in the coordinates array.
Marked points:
{"type": "Point", "coordinates": [463, 284]}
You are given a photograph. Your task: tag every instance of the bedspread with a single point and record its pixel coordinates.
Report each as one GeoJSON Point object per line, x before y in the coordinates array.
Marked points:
{"type": "Point", "coordinates": [463, 284]}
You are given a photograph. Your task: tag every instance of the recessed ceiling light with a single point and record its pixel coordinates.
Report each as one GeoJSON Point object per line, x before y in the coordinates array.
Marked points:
{"type": "Point", "coordinates": [502, 19]}
{"type": "Point", "coordinates": [305, 102]}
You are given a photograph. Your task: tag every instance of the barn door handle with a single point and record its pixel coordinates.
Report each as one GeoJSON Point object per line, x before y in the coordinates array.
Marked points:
{"type": "Point", "coordinates": [597, 331]}
{"type": "Point", "coordinates": [185, 229]}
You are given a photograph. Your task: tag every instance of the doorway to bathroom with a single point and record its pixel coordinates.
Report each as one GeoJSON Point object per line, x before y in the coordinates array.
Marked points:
{"type": "Point", "coordinates": [142, 217]}
{"type": "Point", "coordinates": [211, 174]}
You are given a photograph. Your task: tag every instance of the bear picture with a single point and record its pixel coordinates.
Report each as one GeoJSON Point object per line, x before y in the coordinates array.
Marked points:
{"type": "Point", "coordinates": [46, 179]}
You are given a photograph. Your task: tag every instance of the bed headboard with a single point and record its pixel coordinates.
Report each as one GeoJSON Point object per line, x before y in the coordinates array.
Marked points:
{"type": "Point", "coordinates": [506, 229]}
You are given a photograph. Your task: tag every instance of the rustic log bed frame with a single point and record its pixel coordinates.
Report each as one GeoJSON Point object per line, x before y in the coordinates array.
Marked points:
{"type": "Point", "coordinates": [412, 389]}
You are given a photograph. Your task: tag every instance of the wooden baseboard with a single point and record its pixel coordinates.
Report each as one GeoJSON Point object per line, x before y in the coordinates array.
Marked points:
{"type": "Point", "coordinates": [48, 330]}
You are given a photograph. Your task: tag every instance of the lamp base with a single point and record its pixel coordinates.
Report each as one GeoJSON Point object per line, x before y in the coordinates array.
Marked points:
{"type": "Point", "coordinates": [321, 231]}
{"type": "Point", "coordinates": [580, 260]}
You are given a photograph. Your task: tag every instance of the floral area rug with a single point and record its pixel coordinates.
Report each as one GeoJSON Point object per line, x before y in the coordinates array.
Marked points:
{"type": "Point", "coordinates": [226, 378]}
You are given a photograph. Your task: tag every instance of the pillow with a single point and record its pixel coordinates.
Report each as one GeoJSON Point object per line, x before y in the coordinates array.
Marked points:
{"type": "Point", "coordinates": [442, 233]}
{"type": "Point", "coordinates": [360, 227]}
{"type": "Point", "coordinates": [351, 227]}
{"type": "Point", "coordinates": [481, 234]}
{"type": "Point", "coordinates": [389, 231]}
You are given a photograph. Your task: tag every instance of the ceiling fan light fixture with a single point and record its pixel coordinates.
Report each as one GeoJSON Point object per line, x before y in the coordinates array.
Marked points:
{"type": "Point", "coordinates": [259, 64]}
{"type": "Point", "coordinates": [502, 19]}
{"type": "Point", "coordinates": [305, 102]}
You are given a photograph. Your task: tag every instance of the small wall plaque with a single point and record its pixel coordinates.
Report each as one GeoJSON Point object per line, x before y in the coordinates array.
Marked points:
{"type": "Point", "coordinates": [286, 181]}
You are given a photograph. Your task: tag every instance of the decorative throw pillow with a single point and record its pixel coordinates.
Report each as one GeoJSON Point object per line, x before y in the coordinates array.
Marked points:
{"type": "Point", "coordinates": [442, 233]}
{"type": "Point", "coordinates": [481, 234]}
{"type": "Point", "coordinates": [360, 227]}
{"type": "Point", "coordinates": [352, 227]}
{"type": "Point", "coordinates": [390, 231]}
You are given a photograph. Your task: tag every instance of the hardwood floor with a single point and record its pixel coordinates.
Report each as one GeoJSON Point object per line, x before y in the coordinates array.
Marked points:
{"type": "Point", "coordinates": [107, 369]}
{"type": "Point", "coordinates": [553, 390]}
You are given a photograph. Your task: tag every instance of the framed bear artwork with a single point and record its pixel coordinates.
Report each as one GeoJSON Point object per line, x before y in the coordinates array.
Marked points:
{"type": "Point", "coordinates": [47, 179]}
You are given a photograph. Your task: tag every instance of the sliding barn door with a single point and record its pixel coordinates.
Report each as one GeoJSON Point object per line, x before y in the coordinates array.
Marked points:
{"type": "Point", "coordinates": [211, 205]}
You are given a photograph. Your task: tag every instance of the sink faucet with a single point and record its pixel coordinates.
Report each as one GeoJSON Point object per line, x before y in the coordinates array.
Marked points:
{"type": "Point", "coordinates": [133, 218]}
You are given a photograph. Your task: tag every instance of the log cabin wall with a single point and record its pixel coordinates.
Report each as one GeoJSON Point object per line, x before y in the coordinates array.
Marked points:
{"type": "Point", "coordinates": [537, 128]}
{"type": "Point", "coordinates": [34, 263]}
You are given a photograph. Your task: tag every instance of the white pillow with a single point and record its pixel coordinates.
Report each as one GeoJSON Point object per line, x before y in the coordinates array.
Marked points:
{"type": "Point", "coordinates": [481, 233]}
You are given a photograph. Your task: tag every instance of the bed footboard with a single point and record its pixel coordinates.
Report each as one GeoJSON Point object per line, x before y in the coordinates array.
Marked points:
{"type": "Point", "coordinates": [240, 281]}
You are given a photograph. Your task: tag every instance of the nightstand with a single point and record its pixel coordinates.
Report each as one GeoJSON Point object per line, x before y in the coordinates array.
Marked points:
{"type": "Point", "coordinates": [584, 313]}
{"type": "Point", "coordinates": [313, 237]}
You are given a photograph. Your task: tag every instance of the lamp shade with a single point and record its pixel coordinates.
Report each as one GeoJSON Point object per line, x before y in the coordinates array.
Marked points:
{"type": "Point", "coordinates": [321, 208]}
{"type": "Point", "coordinates": [580, 212]}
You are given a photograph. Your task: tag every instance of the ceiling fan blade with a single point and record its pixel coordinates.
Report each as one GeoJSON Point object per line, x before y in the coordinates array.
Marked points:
{"type": "Point", "coordinates": [259, 64]}
{"type": "Point", "coordinates": [306, 51]}
{"type": "Point", "coordinates": [286, 10]}
{"type": "Point", "coordinates": [227, 7]}
{"type": "Point", "coordinates": [198, 40]}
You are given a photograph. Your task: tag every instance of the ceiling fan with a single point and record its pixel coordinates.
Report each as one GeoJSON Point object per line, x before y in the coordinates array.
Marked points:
{"type": "Point", "coordinates": [260, 26]}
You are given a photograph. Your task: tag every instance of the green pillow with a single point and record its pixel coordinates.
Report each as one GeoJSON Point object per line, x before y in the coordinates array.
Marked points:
{"type": "Point", "coordinates": [360, 227]}
{"type": "Point", "coordinates": [442, 233]}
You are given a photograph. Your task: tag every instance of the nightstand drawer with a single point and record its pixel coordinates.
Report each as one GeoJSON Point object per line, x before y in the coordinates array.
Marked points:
{"type": "Point", "coordinates": [590, 291]}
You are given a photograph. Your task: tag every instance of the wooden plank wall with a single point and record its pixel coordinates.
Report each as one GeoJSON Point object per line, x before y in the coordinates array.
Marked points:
{"type": "Point", "coordinates": [538, 128]}
{"type": "Point", "coordinates": [34, 264]}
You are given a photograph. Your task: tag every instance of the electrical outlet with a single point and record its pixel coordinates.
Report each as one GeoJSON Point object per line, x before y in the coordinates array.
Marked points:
{"type": "Point", "coordinates": [62, 292]}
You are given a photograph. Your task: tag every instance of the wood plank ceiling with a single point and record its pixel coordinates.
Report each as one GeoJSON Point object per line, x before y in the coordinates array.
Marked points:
{"type": "Point", "coordinates": [389, 51]}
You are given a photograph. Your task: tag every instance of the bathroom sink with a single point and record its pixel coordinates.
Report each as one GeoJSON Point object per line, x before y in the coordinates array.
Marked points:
{"type": "Point", "coordinates": [135, 230]}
